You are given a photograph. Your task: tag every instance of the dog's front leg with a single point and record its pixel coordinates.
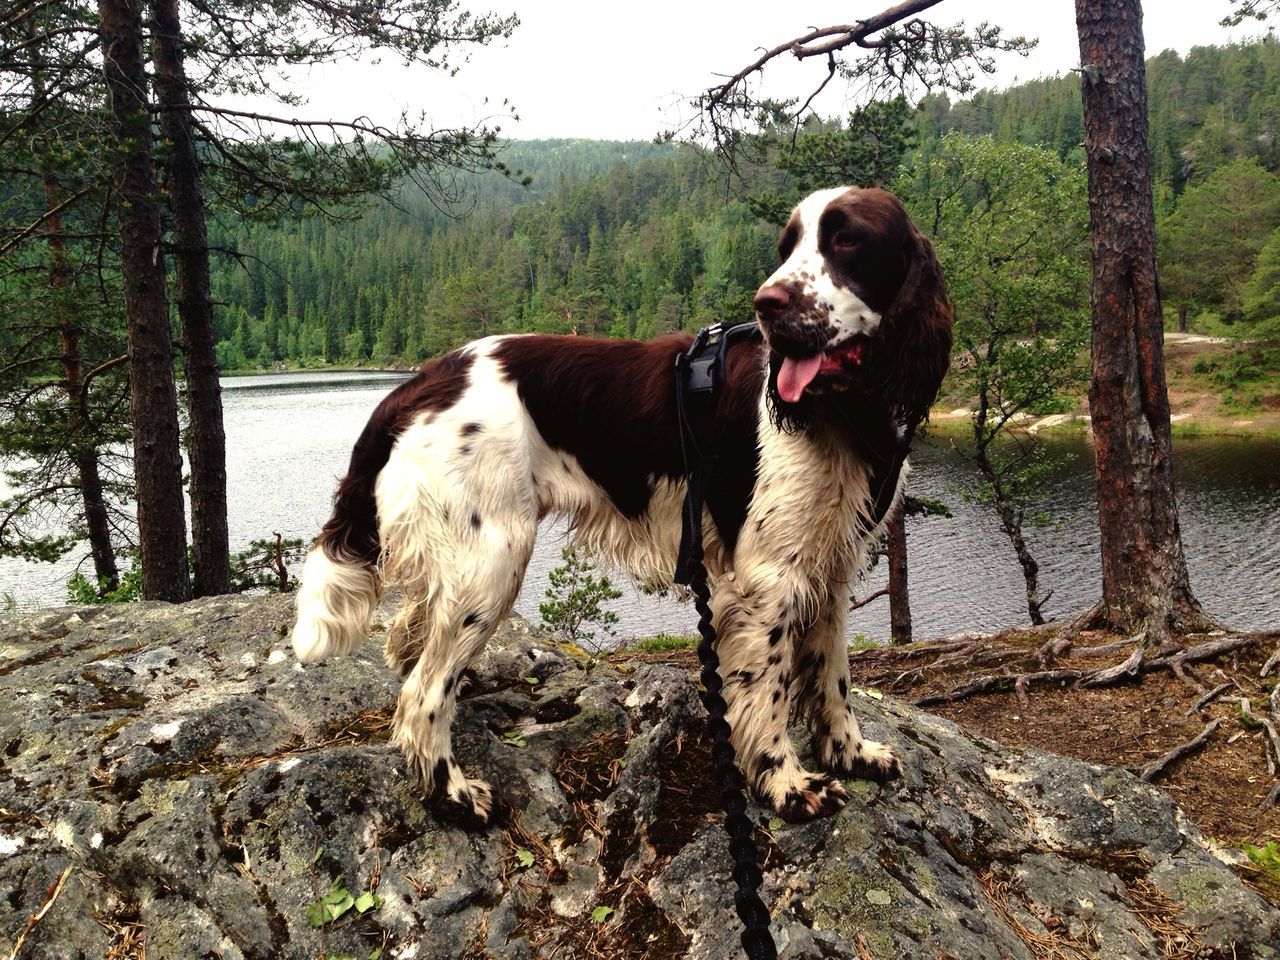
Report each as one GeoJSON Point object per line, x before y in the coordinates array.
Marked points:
{"type": "Point", "coordinates": [759, 621]}
{"type": "Point", "coordinates": [821, 681]}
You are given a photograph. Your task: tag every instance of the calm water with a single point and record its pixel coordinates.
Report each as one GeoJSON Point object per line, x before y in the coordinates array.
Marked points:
{"type": "Point", "coordinates": [289, 436]}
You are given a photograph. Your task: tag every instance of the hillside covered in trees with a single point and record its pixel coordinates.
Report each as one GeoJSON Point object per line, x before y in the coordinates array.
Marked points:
{"type": "Point", "coordinates": [634, 239]}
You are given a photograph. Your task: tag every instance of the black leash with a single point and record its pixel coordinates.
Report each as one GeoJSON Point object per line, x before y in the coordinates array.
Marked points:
{"type": "Point", "coordinates": [699, 373]}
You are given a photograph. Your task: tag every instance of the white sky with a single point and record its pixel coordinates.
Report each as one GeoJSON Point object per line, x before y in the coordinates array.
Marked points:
{"type": "Point", "coordinates": [591, 68]}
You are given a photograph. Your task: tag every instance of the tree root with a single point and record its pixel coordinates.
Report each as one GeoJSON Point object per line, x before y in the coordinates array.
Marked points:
{"type": "Point", "coordinates": [1211, 696]}
{"type": "Point", "coordinates": [996, 683]}
{"type": "Point", "coordinates": [1129, 668]}
{"type": "Point", "coordinates": [1272, 662]}
{"type": "Point", "coordinates": [1157, 767]}
{"type": "Point", "coordinates": [1176, 659]}
{"type": "Point", "coordinates": [1273, 736]}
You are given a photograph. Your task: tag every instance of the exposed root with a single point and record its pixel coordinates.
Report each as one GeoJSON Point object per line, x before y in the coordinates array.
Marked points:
{"type": "Point", "coordinates": [1272, 662]}
{"type": "Point", "coordinates": [1211, 696]}
{"type": "Point", "coordinates": [1130, 668]}
{"type": "Point", "coordinates": [1273, 736]}
{"type": "Point", "coordinates": [1172, 658]}
{"type": "Point", "coordinates": [996, 683]}
{"type": "Point", "coordinates": [1157, 767]}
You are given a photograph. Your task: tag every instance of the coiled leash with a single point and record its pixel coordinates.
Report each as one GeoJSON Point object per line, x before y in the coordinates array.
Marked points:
{"type": "Point", "coordinates": [699, 374]}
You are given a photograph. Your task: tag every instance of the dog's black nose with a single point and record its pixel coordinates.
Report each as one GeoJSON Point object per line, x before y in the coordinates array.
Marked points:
{"type": "Point", "coordinates": [772, 299]}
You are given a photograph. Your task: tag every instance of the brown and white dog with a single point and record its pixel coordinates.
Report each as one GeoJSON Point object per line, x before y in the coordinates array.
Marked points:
{"type": "Point", "coordinates": [456, 467]}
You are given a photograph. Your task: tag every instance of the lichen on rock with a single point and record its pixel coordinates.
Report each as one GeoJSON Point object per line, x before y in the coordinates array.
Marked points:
{"type": "Point", "coordinates": [200, 788]}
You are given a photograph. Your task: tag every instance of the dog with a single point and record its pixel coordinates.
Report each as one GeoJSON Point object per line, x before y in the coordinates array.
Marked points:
{"type": "Point", "coordinates": [457, 466]}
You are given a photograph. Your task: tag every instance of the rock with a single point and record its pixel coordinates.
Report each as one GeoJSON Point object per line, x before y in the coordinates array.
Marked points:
{"type": "Point", "coordinates": [200, 788]}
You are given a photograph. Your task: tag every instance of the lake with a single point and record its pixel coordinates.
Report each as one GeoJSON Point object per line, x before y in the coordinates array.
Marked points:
{"type": "Point", "coordinates": [289, 437]}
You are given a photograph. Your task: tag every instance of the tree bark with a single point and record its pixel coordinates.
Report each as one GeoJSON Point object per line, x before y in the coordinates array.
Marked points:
{"type": "Point", "coordinates": [206, 438]}
{"type": "Point", "coordinates": [1144, 571]}
{"type": "Point", "coordinates": [899, 599]}
{"type": "Point", "coordinates": [1182, 318]}
{"type": "Point", "coordinates": [157, 457]}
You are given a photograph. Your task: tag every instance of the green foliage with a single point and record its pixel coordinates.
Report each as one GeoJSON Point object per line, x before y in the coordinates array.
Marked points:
{"type": "Point", "coordinates": [1242, 10]}
{"type": "Point", "coordinates": [922, 506]}
{"type": "Point", "coordinates": [81, 590]}
{"type": "Point", "coordinates": [261, 567]}
{"type": "Point", "coordinates": [264, 565]}
{"type": "Point", "coordinates": [337, 902]}
{"type": "Point", "coordinates": [1009, 223]}
{"type": "Point", "coordinates": [860, 641]}
{"type": "Point", "coordinates": [611, 238]}
{"type": "Point", "coordinates": [661, 643]}
{"type": "Point", "coordinates": [575, 600]}
{"type": "Point", "coordinates": [1261, 293]}
{"type": "Point", "coordinates": [866, 151]}
{"type": "Point", "coordinates": [1266, 856]}
{"type": "Point", "coordinates": [1211, 242]}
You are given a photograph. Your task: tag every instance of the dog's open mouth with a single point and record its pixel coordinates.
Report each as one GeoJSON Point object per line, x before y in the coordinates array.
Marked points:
{"type": "Point", "coordinates": [795, 375]}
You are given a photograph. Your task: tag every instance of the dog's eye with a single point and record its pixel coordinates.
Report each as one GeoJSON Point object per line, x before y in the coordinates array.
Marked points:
{"type": "Point", "coordinates": [844, 240]}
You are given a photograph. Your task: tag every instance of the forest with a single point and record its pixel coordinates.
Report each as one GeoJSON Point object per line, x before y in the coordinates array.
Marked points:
{"type": "Point", "coordinates": [633, 239]}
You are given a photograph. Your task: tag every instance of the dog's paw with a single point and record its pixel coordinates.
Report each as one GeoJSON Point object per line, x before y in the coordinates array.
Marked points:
{"type": "Point", "coordinates": [469, 806]}
{"type": "Point", "coordinates": [810, 796]}
{"type": "Point", "coordinates": [456, 798]}
{"type": "Point", "coordinates": [869, 760]}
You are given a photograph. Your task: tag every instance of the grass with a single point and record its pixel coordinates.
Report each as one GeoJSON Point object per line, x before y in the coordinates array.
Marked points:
{"type": "Point", "coordinates": [660, 643]}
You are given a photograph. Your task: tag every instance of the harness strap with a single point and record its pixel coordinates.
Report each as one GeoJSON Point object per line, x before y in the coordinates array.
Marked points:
{"type": "Point", "coordinates": [698, 374]}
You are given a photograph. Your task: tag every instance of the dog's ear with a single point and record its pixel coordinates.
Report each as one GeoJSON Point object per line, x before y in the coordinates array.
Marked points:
{"type": "Point", "coordinates": [916, 334]}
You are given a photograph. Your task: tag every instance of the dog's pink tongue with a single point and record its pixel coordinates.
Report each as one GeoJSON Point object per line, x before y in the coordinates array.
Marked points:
{"type": "Point", "coordinates": [795, 375]}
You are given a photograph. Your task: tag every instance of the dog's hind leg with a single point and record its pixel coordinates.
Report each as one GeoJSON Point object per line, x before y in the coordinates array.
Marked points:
{"type": "Point", "coordinates": [474, 597]}
{"type": "Point", "coordinates": [457, 528]}
{"type": "Point", "coordinates": [821, 681]}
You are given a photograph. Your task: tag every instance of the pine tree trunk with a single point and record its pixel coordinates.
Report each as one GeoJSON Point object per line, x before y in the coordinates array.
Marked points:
{"type": "Point", "coordinates": [157, 457]}
{"type": "Point", "coordinates": [899, 599]}
{"type": "Point", "coordinates": [1144, 571]}
{"type": "Point", "coordinates": [206, 438]}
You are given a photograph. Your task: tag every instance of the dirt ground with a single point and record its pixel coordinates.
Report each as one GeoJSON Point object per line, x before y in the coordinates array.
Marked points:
{"type": "Point", "coordinates": [1223, 787]}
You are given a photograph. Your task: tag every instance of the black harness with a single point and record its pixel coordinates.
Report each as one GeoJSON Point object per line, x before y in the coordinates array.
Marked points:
{"type": "Point", "coordinates": [700, 372]}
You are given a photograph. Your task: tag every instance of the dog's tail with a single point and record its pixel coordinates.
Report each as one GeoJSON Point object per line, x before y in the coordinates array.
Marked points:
{"type": "Point", "coordinates": [341, 583]}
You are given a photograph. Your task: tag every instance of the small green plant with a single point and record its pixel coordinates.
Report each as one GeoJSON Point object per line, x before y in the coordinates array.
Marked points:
{"type": "Point", "coordinates": [860, 641]}
{"type": "Point", "coordinates": [1266, 857]}
{"type": "Point", "coordinates": [661, 643]}
{"type": "Point", "coordinates": [338, 902]}
{"type": "Point", "coordinates": [82, 591]}
{"type": "Point", "coordinates": [264, 565]}
{"type": "Point", "coordinates": [575, 600]}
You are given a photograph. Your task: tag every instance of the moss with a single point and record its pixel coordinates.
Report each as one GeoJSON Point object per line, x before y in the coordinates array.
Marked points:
{"type": "Point", "coordinates": [159, 796]}
{"type": "Point", "coordinates": [855, 905]}
{"type": "Point", "coordinates": [1199, 889]}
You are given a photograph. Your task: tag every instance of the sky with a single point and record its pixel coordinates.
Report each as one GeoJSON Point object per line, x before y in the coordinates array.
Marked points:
{"type": "Point", "coordinates": [625, 71]}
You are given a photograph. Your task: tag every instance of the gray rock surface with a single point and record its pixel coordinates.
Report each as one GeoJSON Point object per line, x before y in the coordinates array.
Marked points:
{"type": "Point", "coordinates": [199, 788]}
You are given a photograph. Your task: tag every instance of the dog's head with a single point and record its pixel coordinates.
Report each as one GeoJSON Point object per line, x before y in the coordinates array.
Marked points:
{"type": "Point", "coordinates": [858, 306]}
